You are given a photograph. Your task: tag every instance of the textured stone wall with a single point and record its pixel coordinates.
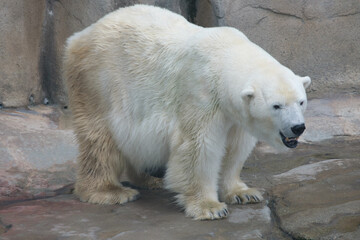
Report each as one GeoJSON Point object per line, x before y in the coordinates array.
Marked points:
{"type": "Point", "coordinates": [315, 38]}
{"type": "Point", "coordinates": [62, 19]}
{"type": "Point", "coordinates": [20, 37]}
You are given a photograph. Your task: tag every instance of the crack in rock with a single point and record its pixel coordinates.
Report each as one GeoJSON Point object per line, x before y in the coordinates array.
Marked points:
{"type": "Point", "coordinates": [274, 11]}
{"type": "Point", "coordinates": [67, 189]}
{"type": "Point", "coordinates": [345, 15]}
{"type": "Point", "coordinates": [277, 221]}
{"type": "Point", "coordinates": [70, 13]}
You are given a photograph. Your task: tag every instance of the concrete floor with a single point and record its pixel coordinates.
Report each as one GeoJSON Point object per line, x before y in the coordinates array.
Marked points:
{"type": "Point", "coordinates": [312, 192]}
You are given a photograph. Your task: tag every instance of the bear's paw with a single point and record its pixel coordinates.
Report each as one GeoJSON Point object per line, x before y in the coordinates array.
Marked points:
{"type": "Point", "coordinates": [153, 183]}
{"type": "Point", "coordinates": [207, 210]}
{"type": "Point", "coordinates": [119, 195]}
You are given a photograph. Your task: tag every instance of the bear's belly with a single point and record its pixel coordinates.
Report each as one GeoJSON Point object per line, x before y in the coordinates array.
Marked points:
{"type": "Point", "coordinates": [144, 142]}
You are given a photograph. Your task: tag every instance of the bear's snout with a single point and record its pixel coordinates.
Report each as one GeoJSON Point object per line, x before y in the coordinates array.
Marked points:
{"type": "Point", "coordinates": [298, 129]}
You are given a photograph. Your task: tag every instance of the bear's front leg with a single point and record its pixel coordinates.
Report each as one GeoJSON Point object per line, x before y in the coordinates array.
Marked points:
{"type": "Point", "coordinates": [232, 189]}
{"type": "Point", "coordinates": [192, 172]}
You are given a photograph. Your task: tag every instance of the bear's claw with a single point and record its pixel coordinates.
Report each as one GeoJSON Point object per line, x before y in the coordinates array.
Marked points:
{"type": "Point", "coordinates": [240, 196]}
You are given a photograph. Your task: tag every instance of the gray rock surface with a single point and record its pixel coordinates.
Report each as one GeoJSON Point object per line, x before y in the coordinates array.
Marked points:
{"type": "Point", "coordinates": [320, 200]}
{"type": "Point", "coordinates": [62, 19]}
{"type": "Point", "coordinates": [151, 217]}
{"type": "Point", "coordinates": [20, 38]}
{"type": "Point", "coordinates": [332, 117]}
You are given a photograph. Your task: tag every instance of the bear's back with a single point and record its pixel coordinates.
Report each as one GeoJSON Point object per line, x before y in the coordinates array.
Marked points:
{"type": "Point", "coordinates": [149, 19]}
{"type": "Point", "coordinates": [138, 27]}
{"type": "Point", "coordinates": [145, 14]}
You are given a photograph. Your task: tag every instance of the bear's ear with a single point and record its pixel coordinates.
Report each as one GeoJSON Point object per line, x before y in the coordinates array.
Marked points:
{"type": "Point", "coordinates": [306, 81]}
{"type": "Point", "coordinates": [248, 93]}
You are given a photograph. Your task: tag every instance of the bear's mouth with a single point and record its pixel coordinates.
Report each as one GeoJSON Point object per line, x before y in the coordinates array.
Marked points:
{"type": "Point", "coordinates": [289, 142]}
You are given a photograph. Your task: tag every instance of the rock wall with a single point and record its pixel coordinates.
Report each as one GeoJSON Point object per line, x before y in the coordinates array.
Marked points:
{"type": "Point", "coordinates": [20, 37]}
{"type": "Point", "coordinates": [315, 38]}
{"type": "Point", "coordinates": [62, 19]}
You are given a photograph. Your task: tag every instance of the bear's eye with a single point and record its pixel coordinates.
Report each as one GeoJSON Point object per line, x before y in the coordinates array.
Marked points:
{"type": "Point", "coordinates": [301, 103]}
{"type": "Point", "coordinates": [276, 106]}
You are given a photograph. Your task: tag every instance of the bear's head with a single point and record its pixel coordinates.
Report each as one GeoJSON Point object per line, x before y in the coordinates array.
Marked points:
{"type": "Point", "coordinates": [273, 108]}
{"type": "Point", "coordinates": [258, 92]}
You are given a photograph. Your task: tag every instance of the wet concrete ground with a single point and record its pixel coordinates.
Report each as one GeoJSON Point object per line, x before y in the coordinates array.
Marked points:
{"type": "Point", "coordinates": [312, 192]}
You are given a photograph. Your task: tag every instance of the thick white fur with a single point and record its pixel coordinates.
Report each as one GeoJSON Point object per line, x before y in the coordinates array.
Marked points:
{"type": "Point", "coordinates": [191, 98]}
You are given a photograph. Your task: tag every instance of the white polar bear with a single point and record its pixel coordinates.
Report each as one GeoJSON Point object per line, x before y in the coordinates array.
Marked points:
{"type": "Point", "coordinates": [148, 89]}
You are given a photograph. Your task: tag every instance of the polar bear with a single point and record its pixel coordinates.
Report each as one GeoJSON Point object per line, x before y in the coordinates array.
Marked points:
{"type": "Point", "coordinates": [148, 89]}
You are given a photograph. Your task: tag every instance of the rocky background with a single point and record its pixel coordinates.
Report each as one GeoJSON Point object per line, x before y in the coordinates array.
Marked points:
{"type": "Point", "coordinates": [316, 38]}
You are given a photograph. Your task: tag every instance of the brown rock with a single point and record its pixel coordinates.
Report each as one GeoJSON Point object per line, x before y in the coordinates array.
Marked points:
{"type": "Point", "coordinates": [37, 157]}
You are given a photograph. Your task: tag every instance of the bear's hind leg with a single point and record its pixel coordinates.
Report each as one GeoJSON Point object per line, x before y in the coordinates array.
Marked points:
{"type": "Point", "coordinates": [100, 165]}
{"type": "Point", "coordinates": [143, 180]}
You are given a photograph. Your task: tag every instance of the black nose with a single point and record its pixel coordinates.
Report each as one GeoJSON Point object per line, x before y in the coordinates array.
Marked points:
{"type": "Point", "coordinates": [298, 129]}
